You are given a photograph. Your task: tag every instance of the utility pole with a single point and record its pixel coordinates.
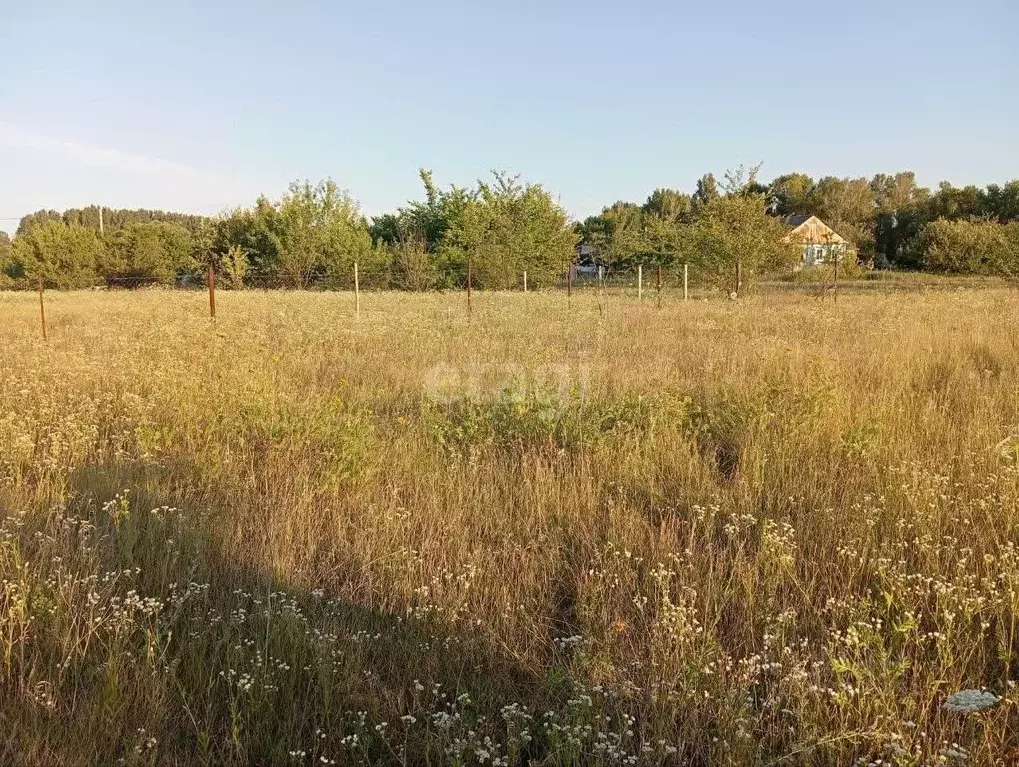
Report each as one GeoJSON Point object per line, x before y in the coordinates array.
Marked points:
{"type": "Point", "coordinates": [100, 219]}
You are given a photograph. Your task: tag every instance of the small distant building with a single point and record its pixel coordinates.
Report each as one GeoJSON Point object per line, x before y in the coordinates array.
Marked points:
{"type": "Point", "coordinates": [821, 244]}
{"type": "Point", "coordinates": [586, 262]}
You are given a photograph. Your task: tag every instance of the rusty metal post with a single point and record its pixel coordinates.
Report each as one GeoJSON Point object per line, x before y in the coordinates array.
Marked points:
{"type": "Point", "coordinates": [212, 292]}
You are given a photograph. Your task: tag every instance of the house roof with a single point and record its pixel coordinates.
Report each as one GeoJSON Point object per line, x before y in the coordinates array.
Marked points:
{"type": "Point", "coordinates": [810, 230]}
{"type": "Point", "coordinates": [796, 219]}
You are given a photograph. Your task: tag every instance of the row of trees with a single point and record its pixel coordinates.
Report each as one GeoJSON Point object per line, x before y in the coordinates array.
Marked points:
{"type": "Point", "coordinates": [313, 233]}
{"type": "Point", "coordinates": [503, 227]}
{"type": "Point", "coordinates": [883, 217]}
{"type": "Point", "coordinates": [725, 230]}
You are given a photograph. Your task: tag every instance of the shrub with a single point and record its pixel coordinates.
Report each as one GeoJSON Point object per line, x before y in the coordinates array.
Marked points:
{"type": "Point", "coordinates": [151, 251]}
{"type": "Point", "coordinates": [968, 247]}
{"type": "Point", "coordinates": [64, 256]}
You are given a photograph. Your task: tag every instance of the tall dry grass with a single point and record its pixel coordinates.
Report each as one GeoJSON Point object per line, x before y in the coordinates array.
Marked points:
{"type": "Point", "coordinates": [773, 531]}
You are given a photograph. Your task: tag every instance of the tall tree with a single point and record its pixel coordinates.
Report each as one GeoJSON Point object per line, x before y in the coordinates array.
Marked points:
{"type": "Point", "coordinates": [954, 203]}
{"type": "Point", "coordinates": [1002, 202]}
{"type": "Point", "coordinates": [900, 205]}
{"type": "Point", "coordinates": [734, 238]}
{"type": "Point", "coordinates": [64, 256]}
{"type": "Point", "coordinates": [843, 199]}
{"type": "Point", "coordinates": [707, 190]}
{"type": "Point", "coordinates": [34, 219]}
{"type": "Point", "coordinates": [507, 228]}
{"type": "Point", "coordinates": [142, 251]}
{"type": "Point", "coordinates": [791, 194]}
{"type": "Point", "coordinates": [617, 234]}
{"type": "Point", "coordinates": [668, 205]}
{"type": "Point", "coordinates": [6, 253]}
{"type": "Point", "coordinates": [312, 231]}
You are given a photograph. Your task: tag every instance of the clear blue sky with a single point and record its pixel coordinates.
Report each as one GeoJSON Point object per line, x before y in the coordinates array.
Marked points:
{"type": "Point", "coordinates": [200, 105]}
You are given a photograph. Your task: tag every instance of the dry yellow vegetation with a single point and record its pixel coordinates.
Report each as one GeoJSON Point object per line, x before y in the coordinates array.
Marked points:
{"type": "Point", "coordinates": [772, 531]}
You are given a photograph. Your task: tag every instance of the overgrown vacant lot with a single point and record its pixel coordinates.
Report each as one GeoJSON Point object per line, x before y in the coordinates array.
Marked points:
{"type": "Point", "coordinates": [773, 531]}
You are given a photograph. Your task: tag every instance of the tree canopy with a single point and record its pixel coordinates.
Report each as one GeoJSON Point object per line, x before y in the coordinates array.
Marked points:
{"type": "Point", "coordinates": [502, 226]}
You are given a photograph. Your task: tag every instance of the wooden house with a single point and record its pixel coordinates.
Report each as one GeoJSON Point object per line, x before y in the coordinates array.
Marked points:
{"type": "Point", "coordinates": [819, 242]}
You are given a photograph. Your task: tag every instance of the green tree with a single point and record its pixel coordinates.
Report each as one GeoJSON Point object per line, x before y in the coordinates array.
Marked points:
{"type": "Point", "coordinates": [312, 231]}
{"type": "Point", "coordinates": [791, 194]}
{"type": "Point", "coordinates": [954, 203]}
{"type": "Point", "coordinates": [707, 190]}
{"type": "Point", "coordinates": [900, 212]}
{"type": "Point", "coordinates": [843, 199]}
{"type": "Point", "coordinates": [239, 228]}
{"type": "Point", "coordinates": [617, 234]}
{"type": "Point", "coordinates": [34, 219]}
{"type": "Point", "coordinates": [507, 228]}
{"type": "Point", "coordinates": [6, 264]}
{"type": "Point", "coordinates": [64, 256]}
{"type": "Point", "coordinates": [668, 205]}
{"type": "Point", "coordinates": [151, 251]}
{"type": "Point", "coordinates": [234, 266]}
{"type": "Point", "coordinates": [968, 247]}
{"type": "Point", "coordinates": [734, 239]}
{"type": "Point", "coordinates": [1002, 202]}
{"type": "Point", "coordinates": [413, 267]}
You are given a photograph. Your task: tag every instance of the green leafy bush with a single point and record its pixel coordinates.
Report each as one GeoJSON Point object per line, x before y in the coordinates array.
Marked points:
{"type": "Point", "coordinates": [968, 247]}
{"type": "Point", "coordinates": [64, 256]}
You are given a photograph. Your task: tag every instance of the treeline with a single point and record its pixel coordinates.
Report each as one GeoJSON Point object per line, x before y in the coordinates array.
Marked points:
{"type": "Point", "coordinates": [889, 219]}
{"type": "Point", "coordinates": [314, 234]}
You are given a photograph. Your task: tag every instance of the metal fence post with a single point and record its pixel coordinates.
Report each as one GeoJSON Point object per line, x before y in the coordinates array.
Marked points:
{"type": "Point", "coordinates": [212, 292]}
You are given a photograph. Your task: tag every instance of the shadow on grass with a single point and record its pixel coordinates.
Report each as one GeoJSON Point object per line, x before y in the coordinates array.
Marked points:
{"type": "Point", "coordinates": [152, 646]}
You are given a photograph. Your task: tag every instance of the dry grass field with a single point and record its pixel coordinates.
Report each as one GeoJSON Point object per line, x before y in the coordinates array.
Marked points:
{"type": "Point", "coordinates": [768, 532]}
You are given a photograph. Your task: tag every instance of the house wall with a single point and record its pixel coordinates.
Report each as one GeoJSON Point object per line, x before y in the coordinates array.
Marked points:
{"type": "Point", "coordinates": [816, 254]}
